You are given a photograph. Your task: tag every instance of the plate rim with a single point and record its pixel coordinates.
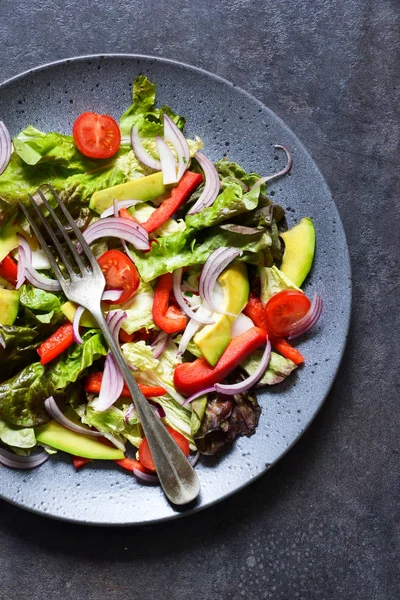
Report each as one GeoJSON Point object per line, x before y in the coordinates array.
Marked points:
{"type": "Point", "coordinates": [349, 290]}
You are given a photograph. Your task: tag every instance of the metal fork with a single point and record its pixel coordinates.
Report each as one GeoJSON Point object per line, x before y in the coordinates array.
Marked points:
{"type": "Point", "coordinates": [177, 477]}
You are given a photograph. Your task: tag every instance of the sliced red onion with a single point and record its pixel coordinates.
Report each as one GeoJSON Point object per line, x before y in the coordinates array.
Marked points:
{"type": "Point", "coordinates": [158, 408]}
{"type": "Point", "coordinates": [168, 162]}
{"type": "Point", "coordinates": [141, 153]}
{"type": "Point", "coordinates": [111, 384]}
{"type": "Point", "coordinates": [211, 187]}
{"type": "Point", "coordinates": [191, 328]}
{"type": "Point", "coordinates": [203, 392]}
{"type": "Point", "coordinates": [193, 459]}
{"type": "Point", "coordinates": [309, 320]}
{"type": "Point", "coordinates": [146, 477]}
{"type": "Point", "coordinates": [2, 341]}
{"type": "Point", "coordinates": [160, 343]}
{"type": "Point", "coordinates": [109, 212]}
{"type": "Point", "coordinates": [5, 147]}
{"type": "Point", "coordinates": [112, 295]}
{"type": "Point", "coordinates": [9, 459]}
{"type": "Point", "coordinates": [246, 384]}
{"type": "Point", "coordinates": [174, 136]}
{"type": "Point", "coordinates": [214, 265]}
{"type": "Point", "coordinates": [129, 411]}
{"type": "Point", "coordinates": [117, 443]}
{"type": "Point", "coordinates": [176, 287]}
{"type": "Point", "coordinates": [58, 416]}
{"type": "Point", "coordinates": [27, 272]}
{"type": "Point", "coordinates": [120, 228]}
{"type": "Point", "coordinates": [274, 176]}
{"type": "Point", "coordinates": [240, 325]}
{"type": "Point", "coordinates": [114, 320]}
{"type": "Point", "coordinates": [75, 325]}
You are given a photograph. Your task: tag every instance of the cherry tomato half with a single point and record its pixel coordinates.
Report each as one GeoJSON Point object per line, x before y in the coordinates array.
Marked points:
{"type": "Point", "coordinates": [284, 310]}
{"type": "Point", "coordinates": [144, 451]}
{"type": "Point", "coordinates": [96, 136]}
{"type": "Point", "coordinates": [120, 273]}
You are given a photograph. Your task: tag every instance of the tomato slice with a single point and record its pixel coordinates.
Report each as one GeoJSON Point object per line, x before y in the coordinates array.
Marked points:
{"type": "Point", "coordinates": [96, 136]}
{"type": "Point", "coordinates": [144, 451]}
{"type": "Point", "coordinates": [120, 273]}
{"type": "Point", "coordinates": [284, 310]}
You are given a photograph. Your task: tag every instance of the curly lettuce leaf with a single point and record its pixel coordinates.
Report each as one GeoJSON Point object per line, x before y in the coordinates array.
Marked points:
{"type": "Point", "coordinates": [44, 307]}
{"type": "Point", "coordinates": [139, 310]}
{"type": "Point", "coordinates": [16, 437]}
{"type": "Point", "coordinates": [278, 368]}
{"type": "Point", "coordinates": [143, 112]}
{"type": "Point", "coordinates": [111, 421]}
{"type": "Point", "coordinates": [225, 418]}
{"type": "Point", "coordinates": [20, 349]}
{"type": "Point", "coordinates": [22, 397]}
{"type": "Point", "coordinates": [273, 281]}
{"type": "Point", "coordinates": [139, 355]}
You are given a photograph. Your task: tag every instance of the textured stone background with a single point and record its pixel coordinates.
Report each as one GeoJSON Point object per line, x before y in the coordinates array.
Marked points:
{"type": "Point", "coordinates": [324, 523]}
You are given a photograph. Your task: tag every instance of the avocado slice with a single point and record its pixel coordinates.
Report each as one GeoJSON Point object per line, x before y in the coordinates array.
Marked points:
{"type": "Point", "coordinates": [144, 188]}
{"type": "Point", "coordinates": [69, 310]}
{"type": "Point", "coordinates": [8, 238]}
{"type": "Point", "coordinates": [54, 435]}
{"type": "Point", "coordinates": [299, 250]}
{"type": "Point", "coordinates": [9, 304]}
{"type": "Point", "coordinates": [213, 339]}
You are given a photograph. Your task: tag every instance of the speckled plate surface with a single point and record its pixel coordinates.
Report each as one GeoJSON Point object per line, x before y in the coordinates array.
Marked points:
{"type": "Point", "coordinates": [233, 123]}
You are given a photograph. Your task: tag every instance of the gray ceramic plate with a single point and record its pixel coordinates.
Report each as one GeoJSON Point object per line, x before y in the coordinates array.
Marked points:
{"type": "Point", "coordinates": [232, 122]}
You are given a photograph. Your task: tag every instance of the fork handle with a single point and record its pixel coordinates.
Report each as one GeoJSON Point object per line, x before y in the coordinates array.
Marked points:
{"type": "Point", "coordinates": [177, 476]}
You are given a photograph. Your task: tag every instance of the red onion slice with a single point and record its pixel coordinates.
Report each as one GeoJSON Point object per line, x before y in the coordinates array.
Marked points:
{"type": "Point", "coordinates": [112, 295]}
{"type": "Point", "coordinates": [124, 229]}
{"type": "Point", "coordinates": [203, 392]}
{"type": "Point", "coordinates": [174, 136]}
{"type": "Point", "coordinates": [160, 343]}
{"type": "Point", "coordinates": [146, 477]}
{"type": "Point", "coordinates": [58, 416]}
{"type": "Point", "coordinates": [176, 287]}
{"type": "Point", "coordinates": [211, 187]}
{"type": "Point", "coordinates": [9, 459]}
{"type": "Point", "coordinates": [309, 320]}
{"type": "Point", "coordinates": [168, 162]}
{"type": "Point", "coordinates": [117, 443]}
{"type": "Point", "coordinates": [281, 173]}
{"type": "Point", "coordinates": [111, 384]}
{"type": "Point", "coordinates": [5, 147]}
{"type": "Point", "coordinates": [27, 272]}
{"type": "Point", "coordinates": [2, 341]}
{"type": "Point", "coordinates": [109, 212]}
{"type": "Point", "coordinates": [141, 153]}
{"type": "Point", "coordinates": [75, 325]}
{"type": "Point", "coordinates": [194, 458]}
{"type": "Point", "coordinates": [214, 265]}
{"type": "Point", "coordinates": [246, 384]}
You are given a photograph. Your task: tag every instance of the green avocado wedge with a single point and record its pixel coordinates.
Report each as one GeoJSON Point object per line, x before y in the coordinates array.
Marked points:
{"type": "Point", "coordinates": [9, 304]}
{"type": "Point", "coordinates": [54, 435]}
{"type": "Point", "coordinates": [299, 251]}
{"type": "Point", "coordinates": [143, 188]}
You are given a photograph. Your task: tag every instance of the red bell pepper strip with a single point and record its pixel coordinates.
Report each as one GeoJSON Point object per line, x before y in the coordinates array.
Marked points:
{"type": "Point", "coordinates": [56, 344]}
{"type": "Point", "coordinates": [189, 182]}
{"type": "Point", "coordinates": [256, 312]}
{"type": "Point", "coordinates": [92, 385]}
{"type": "Point", "coordinates": [192, 377]}
{"type": "Point", "coordinates": [168, 318]}
{"type": "Point", "coordinates": [130, 463]}
{"type": "Point", "coordinates": [79, 461]}
{"type": "Point", "coordinates": [9, 270]}
{"type": "Point", "coordinates": [125, 214]}
{"type": "Point", "coordinates": [125, 338]}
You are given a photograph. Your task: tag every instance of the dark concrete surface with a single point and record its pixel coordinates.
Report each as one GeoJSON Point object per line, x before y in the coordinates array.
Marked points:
{"type": "Point", "coordinates": [324, 523]}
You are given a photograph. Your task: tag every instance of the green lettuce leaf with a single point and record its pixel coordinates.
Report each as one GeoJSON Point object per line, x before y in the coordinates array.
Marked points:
{"type": "Point", "coordinates": [143, 113]}
{"type": "Point", "coordinates": [140, 355]}
{"type": "Point", "coordinates": [22, 397]}
{"type": "Point", "coordinates": [177, 416]}
{"type": "Point", "coordinates": [198, 410]}
{"type": "Point", "coordinates": [274, 281]}
{"type": "Point", "coordinates": [278, 368]}
{"type": "Point", "coordinates": [19, 351]}
{"type": "Point", "coordinates": [16, 437]}
{"type": "Point", "coordinates": [111, 421]}
{"type": "Point", "coordinates": [43, 307]}
{"type": "Point", "coordinates": [139, 310]}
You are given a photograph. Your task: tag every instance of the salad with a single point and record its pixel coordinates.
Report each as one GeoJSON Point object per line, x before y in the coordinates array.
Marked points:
{"type": "Point", "coordinates": [203, 290]}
